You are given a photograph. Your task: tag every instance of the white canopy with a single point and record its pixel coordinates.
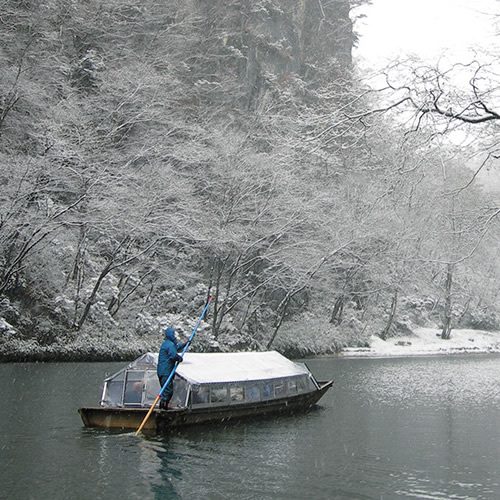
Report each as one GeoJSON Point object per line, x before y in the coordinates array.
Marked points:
{"type": "Point", "coordinates": [202, 368]}
{"type": "Point", "coordinates": [239, 366]}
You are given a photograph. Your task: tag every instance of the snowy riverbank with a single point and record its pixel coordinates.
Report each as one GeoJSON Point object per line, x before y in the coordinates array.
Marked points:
{"type": "Point", "coordinates": [426, 341]}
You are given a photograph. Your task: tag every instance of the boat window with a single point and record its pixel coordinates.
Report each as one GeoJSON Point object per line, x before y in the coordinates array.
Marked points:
{"type": "Point", "coordinates": [236, 394]}
{"type": "Point", "coordinates": [267, 390]}
{"type": "Point", "coordinates": [218, 395]}
{"type": "Point", "coordinates": [279, 389]}
{"type": "Point", "coordinates": [302, 384]}
{"type": "Point", "coordinates": [292, 386]}
{"type": "Point", "coordinates": [253, 393]}
{"type": "Point", "coordinates": [199, 395]}
{"type": "Point", "coordinates": [180, 392]}
{"type": "Point", "coordinates": [113, 393]}
{"type": "Point", "coordinates": [133, 389]}
{"type": "Point", "coordinates": [151, 387]}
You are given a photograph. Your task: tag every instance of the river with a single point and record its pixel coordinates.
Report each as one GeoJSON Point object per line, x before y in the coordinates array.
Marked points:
{"type": "Point", "coordinates": [418, 428]}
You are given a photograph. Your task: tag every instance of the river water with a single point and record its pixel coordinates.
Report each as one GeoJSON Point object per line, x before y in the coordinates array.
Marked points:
{"type": "Point", "coordinates": [419, 428]}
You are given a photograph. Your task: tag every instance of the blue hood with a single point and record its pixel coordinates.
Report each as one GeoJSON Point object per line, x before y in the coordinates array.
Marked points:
{"type": "Point", "coordinates": [170, 335]}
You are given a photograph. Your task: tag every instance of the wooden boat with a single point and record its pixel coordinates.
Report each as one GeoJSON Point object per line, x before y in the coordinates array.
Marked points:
{"type": "Point", "coordinates": [213, 387]}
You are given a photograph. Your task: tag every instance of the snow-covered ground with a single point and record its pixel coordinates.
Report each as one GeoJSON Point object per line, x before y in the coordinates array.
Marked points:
{"type": "Point", "coordinates": [427, 341]}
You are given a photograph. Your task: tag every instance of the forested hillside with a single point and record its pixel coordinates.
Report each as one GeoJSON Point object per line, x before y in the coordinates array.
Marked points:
{"type": "Point", "coordinates": [155, 153]}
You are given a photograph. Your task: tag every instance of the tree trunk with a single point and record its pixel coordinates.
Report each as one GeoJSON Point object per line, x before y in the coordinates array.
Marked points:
{"type": "Point", "coordinates": [446, 332]}
{"type": "Point", "coordinates": [338, 309]}
{"type": "Point", "coordinates": [91, 299]}
{"type": "Point", "coordinates": [385, 334]}
{"type": "Point", "coordinates": [283, 306]}
{"type": "Point", "coordinates": [217, 270]}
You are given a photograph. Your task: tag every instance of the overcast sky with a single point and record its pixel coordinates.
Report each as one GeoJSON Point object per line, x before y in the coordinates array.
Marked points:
{"type": "Point", "coordinates": [430, 29]}
{"type": "Point", "coordinates": [426, 28]}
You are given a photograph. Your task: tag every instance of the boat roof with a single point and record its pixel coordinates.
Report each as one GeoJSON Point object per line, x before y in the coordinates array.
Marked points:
{"type": "Point", "coordinates": [236, 367]}
{"type": "Point", "coordinates": [203, 368]}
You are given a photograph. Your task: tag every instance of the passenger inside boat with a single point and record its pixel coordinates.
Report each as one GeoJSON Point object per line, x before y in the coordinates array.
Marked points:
{"type": "Point", "coordinates": [133, 393]}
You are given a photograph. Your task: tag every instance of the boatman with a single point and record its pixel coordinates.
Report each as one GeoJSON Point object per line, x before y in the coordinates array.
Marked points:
{"type": "Point", "coordinates": [167, 358]}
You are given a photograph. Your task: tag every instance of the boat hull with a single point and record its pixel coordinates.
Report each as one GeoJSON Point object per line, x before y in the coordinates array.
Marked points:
{"type": "Point", "coordinates": [163, 420]}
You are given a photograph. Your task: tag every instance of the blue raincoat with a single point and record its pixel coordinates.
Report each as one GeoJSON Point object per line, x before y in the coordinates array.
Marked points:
{"type": "Point", "coordinates": [167, 358]}
{"type": "Point", "coordinates": [168, 353]}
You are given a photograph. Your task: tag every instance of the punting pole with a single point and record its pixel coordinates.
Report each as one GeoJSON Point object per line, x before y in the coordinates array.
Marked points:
{"type": "Point", "coordinates": [172, 373]}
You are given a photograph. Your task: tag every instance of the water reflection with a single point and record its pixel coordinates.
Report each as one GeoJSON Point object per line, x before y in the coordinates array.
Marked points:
{"type": "Point", "coordinates": [206, 460]}
{"type": "Point", "coordinates": [162, 467]}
